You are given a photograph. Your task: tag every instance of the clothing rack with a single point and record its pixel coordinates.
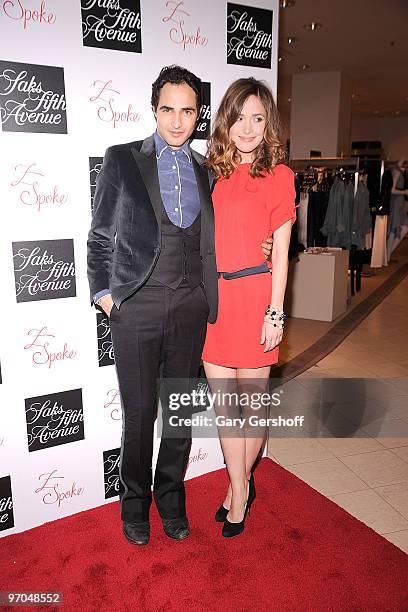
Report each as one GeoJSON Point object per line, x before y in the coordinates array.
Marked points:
{"type": "Point", "coordinates": [346, 164]}
{"type": "Point", "coordinates": [335, 163]}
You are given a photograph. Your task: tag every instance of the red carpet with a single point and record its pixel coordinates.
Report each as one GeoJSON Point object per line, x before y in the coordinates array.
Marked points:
{"type": "Point", "coordinates": [299, 552]}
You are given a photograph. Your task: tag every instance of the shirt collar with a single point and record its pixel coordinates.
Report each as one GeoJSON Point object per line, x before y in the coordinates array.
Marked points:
{"type": "Point", "coordinates": [161, 145]}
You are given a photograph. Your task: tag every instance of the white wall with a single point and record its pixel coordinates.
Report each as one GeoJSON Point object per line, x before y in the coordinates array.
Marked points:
{"type": "Point", "coordinates": [318, 121]}
{"type": "Point", "coordinates": [392, 131]}
{"type": "Point", "coordinates": [107, 95]}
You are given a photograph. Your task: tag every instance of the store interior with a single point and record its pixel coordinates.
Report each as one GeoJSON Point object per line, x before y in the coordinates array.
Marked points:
{"type": "Point", "coordinates": [349, 151]}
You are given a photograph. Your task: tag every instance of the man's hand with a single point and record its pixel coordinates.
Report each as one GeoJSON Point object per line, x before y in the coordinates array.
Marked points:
{"type": "Point", "coordinates": [106, 304]}
{"type": "Point", "coordinates": [267, 248]}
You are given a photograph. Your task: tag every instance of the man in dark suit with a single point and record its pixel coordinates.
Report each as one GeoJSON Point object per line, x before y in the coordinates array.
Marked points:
{"type": "Point", "coordinates": [151, 268]}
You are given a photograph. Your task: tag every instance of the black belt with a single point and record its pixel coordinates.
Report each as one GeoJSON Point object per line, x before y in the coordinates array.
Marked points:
{"type": "Point", "coordinates": [245, 272]}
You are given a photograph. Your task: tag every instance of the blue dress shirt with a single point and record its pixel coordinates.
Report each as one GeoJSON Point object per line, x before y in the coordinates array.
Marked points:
{"type": "Point", "coordinates": [178, 186]}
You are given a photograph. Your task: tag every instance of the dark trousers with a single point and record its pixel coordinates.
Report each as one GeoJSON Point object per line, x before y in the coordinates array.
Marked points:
{"type": "Point", "coordinates": [157, 332]}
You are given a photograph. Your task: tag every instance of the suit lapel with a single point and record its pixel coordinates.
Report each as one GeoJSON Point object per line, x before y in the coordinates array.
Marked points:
{"type": "Point", "coordinates": [207, 211]}
{"type": "Point", "coordinates": [147, 164]}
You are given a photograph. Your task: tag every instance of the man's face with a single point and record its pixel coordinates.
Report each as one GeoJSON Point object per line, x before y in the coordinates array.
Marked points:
{"type": "Point", "coordinates": [176, 114]}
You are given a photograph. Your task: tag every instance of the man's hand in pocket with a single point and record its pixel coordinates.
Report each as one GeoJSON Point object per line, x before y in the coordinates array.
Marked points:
{"type": "Point", "coordinates": [106, 304]}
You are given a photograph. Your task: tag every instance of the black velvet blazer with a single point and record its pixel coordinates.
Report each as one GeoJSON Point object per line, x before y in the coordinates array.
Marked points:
{"type": "Point", "coordinates": [124, 241]}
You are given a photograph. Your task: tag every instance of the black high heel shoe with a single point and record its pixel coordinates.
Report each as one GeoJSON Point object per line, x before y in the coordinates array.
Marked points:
{"type": "Point", "coordinates": [222, 511]}
{"type": "Point", "coordinates": [221, 514]}
{"type": "Point", "coordinates": [230, 530]}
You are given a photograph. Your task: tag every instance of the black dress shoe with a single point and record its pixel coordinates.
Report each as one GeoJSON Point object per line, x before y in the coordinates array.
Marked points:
{"type": "Point", "coordinates": [177, 528]}
{"type": "Point", "coordinates": [221, 514]}
{"type": "Point", "coordinates": [137, 533]}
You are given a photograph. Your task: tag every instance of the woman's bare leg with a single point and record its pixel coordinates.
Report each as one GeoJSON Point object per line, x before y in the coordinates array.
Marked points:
{"type": "Point", "coordinates": [221, 379]}
{"type": "Point", "coordinates": [254, 380]}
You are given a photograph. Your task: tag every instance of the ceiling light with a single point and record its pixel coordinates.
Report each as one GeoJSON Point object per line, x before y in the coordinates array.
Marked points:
{"type": "Point", "coordinates": [291, 40]}
{"type": "Point", "coordinates": [304, 67]}
{"type": "Point", "coordinates": [280, 58]}
{"type": "Point", "coordinates": [289, 99]}
{"type": "Point", "coordinates": [287, 3]}
{"type": "Point", "coordinates": [397, 112]}
{"type": "Point", "coordinates": [313, 26]}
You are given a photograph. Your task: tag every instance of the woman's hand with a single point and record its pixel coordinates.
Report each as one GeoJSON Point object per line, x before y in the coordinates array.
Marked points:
{"type": "Point", "coordinates": [271, 336]}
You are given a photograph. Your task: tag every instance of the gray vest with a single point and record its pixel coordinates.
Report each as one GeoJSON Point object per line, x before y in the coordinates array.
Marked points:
{"type": "Point", "coordinates": [179, 259]}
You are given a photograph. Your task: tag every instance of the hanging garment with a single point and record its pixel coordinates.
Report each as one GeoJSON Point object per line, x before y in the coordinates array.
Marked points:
{"type": "Point", "coordinates": [333, 226]}
{"type": "Point", "coordinates": [361, 219]}
{"type": "Point", "coordinates": [383, 206]}
{"type": "Point", "coordinates": [316, 213]}
{"type": "Point", "coordinates": [301, 211]}
{"type": "Point", "coordinates": [347, 209]}
{"type": "Point", "coordinates": [398, 216]}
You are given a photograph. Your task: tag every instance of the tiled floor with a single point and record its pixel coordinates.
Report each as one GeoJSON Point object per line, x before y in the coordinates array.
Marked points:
{"type": "Point", "coordinates": [301, 333]}
{"type": "Point", "coordinates": [366, 473]}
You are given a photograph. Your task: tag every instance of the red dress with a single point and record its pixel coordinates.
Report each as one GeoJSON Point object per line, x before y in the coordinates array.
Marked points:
{"type": "Point", "coordinates": [247, 211]}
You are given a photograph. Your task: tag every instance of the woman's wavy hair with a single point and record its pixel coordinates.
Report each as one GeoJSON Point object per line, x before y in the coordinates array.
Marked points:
{"type": "Point", "coordinates": [222, 155]}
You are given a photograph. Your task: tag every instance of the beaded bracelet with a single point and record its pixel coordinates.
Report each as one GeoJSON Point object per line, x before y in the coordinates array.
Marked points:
{"type": "Point", "coordinates": [275, 316]}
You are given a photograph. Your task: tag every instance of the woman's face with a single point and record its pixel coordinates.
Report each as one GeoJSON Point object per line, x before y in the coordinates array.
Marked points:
{"type": "Point", "coordinates": [248, 130]}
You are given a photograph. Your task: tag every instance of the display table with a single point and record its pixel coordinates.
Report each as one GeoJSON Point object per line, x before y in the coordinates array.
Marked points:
{"type": "Point", "coordinates": [317, 286]}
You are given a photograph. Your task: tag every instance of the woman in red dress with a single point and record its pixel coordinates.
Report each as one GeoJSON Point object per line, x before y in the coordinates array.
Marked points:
{"type": "Point", "coordinates": [254, 197]}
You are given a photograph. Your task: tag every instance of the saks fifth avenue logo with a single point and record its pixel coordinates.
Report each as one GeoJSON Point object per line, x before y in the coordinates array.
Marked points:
{"type": "Point", "coordinates": [106, 106]}
{"type": "Point", "coordinates": [34, 190]}
{"type": "Point", "coordinates": [111, 463]}
{"type": "Point", "coordinates": [113, 405]}
{"type": "Point", "coordinates": [202, 130]}
{"type": "Point", "coordinates": [95, 165]}
{"type": "Point", "coordinates": [6, 504]}
{"type": "Point", "coordinates": [32, 98]}
{"type": "Point", "coordinates": [180, 30]}
{"type": "Point", "coordinates": [54, 419]}
{"type": "Point", "coordinates": [46, 350]}
{"type": "Point", "coordinates": [54, 489]}
{"type": "Point", "coordinates": [44, 270]}
{"type": "Point", "coordinates": [17, 11]}
{"type": "Point", "coordinates": [105, 346]}
{"type": "Point", "coordinates": [249, 36]}
{"type": "Point", "coordinates": [112, 24]}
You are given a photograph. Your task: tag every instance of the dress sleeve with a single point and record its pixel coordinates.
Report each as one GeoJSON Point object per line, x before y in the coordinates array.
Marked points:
{"type": "Point", "coordinates": [282, 198]}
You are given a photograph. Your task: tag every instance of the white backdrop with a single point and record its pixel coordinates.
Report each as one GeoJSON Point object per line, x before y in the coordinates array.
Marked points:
{"type": "Point", "coordinates": [49, 342]}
